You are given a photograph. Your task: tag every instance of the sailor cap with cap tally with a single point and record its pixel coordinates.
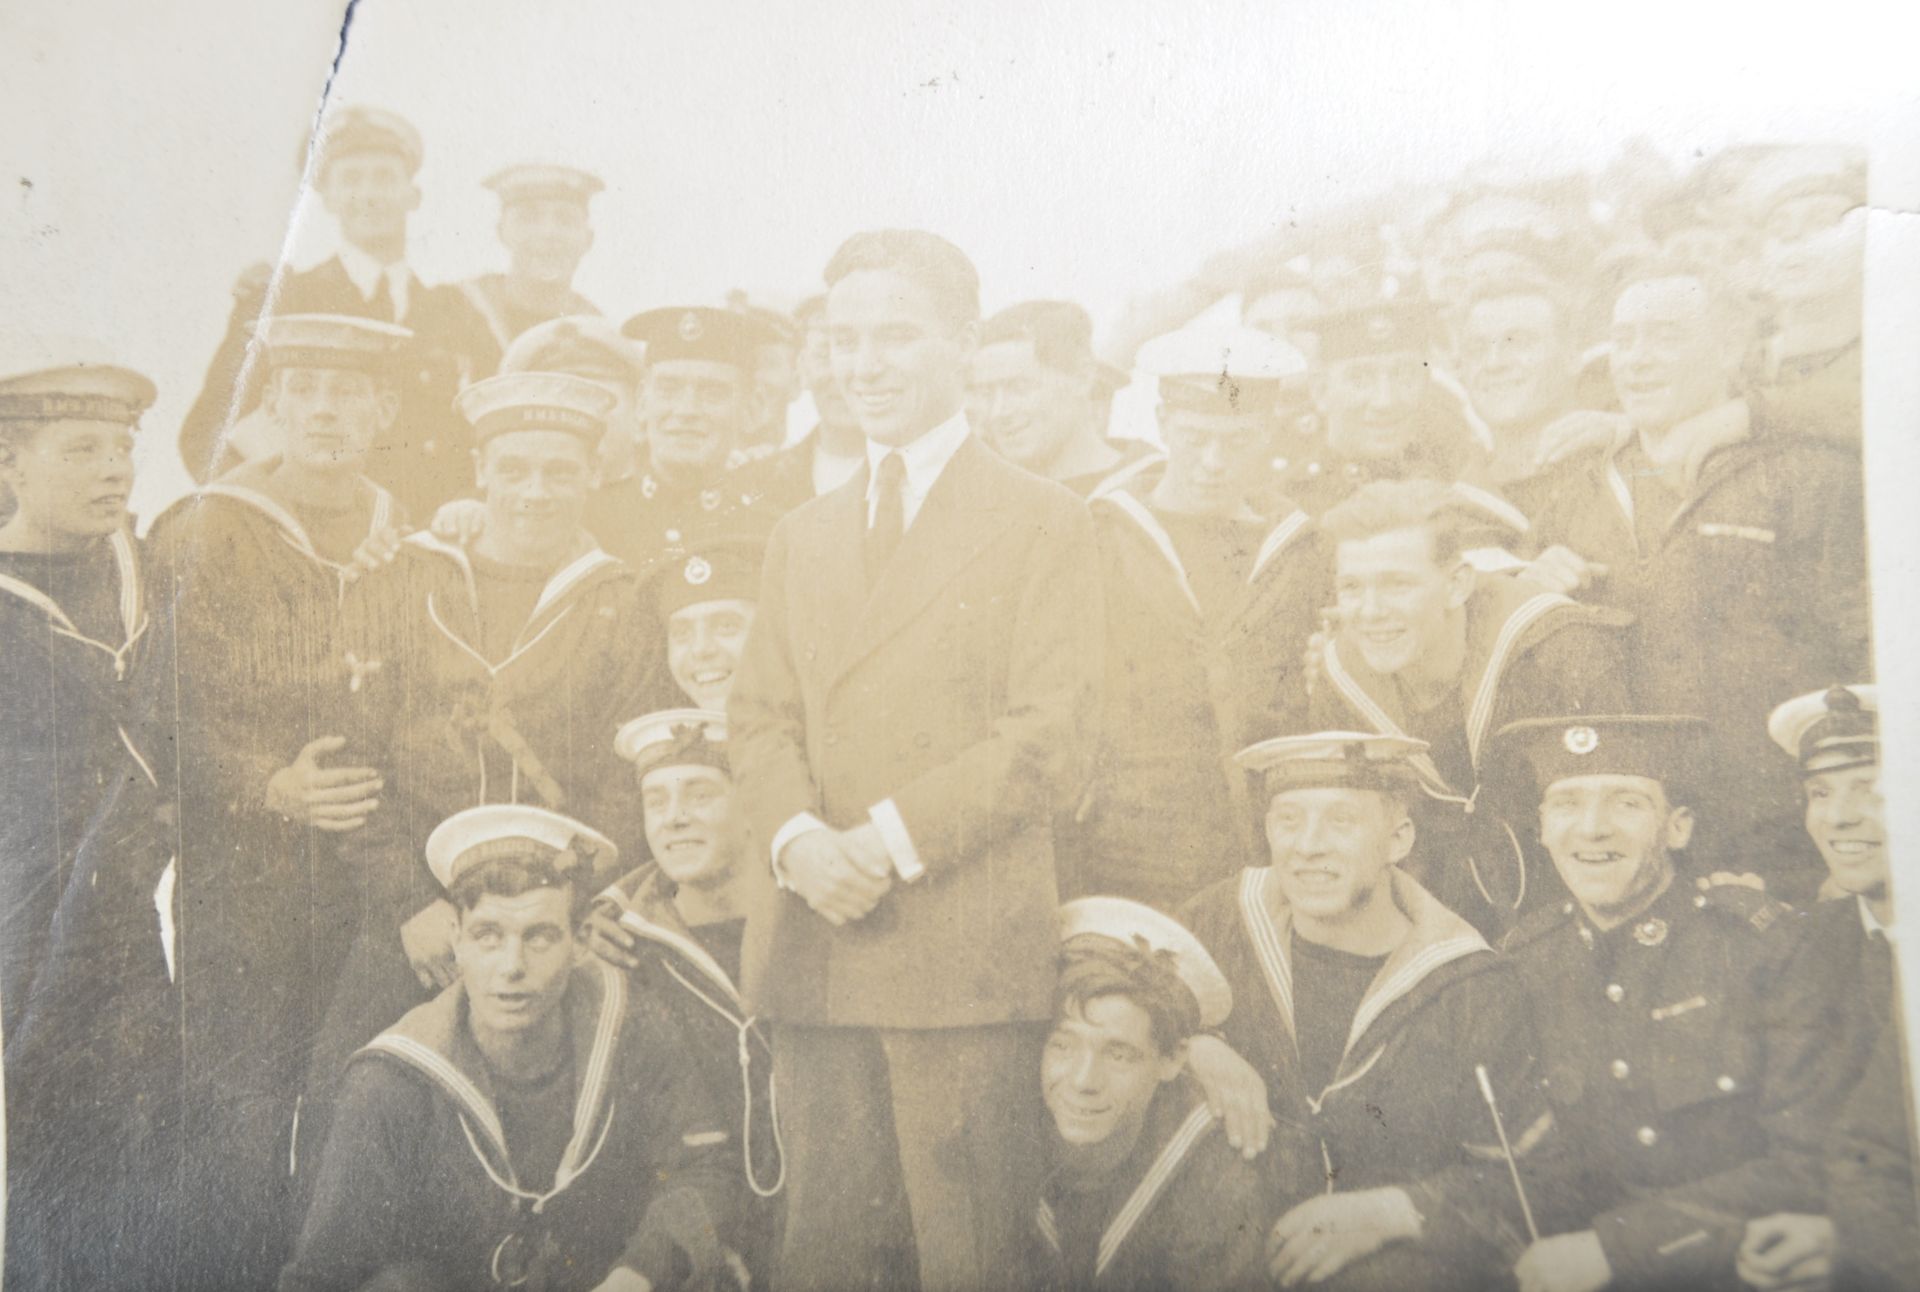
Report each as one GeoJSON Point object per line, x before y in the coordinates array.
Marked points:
{"type": "Point", "coordinates": [535, 401]}
{"type": "Point", "coordinates": [1668, 748]}
{"type": "Point", "coordinates": [44, 379]}
{"type": "Point", "coordinates": [359, 129]}
{"type": "Point", "coordinates": [673, 738]}
{"type": "Point", "coordinates": [700, 332]}
{"type": "Point", "coordinates": [1830, 730]}
{"type": "Point", "coordinates": [1136, 925]}
{"type": "Point", "coordinates": [542, 180]}
{"type": "Point", "coordinates": [481, 834]}
{"type": "Point", "coordinates": [331, 341]}
{"type": "Point", "coordinates": [1334, 760]}
{"type": "Point", "coordinates": [1225, 368]}
{"type": "Point", "coordinates": [581, 345]}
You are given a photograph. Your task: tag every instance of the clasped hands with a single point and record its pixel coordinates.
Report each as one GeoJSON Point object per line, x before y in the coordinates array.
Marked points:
{"type": "Point", "coordinates": [841, 874]}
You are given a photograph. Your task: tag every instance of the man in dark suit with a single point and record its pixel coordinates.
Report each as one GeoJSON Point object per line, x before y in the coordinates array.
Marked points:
{"type": "Point", "coordinates": [908, 716]}
{"type": "Point", "coordinates": [365, 178]}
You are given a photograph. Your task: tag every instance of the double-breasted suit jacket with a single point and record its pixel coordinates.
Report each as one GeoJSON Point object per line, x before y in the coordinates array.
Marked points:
{"type": "Point", "coordinates": [961, 687]}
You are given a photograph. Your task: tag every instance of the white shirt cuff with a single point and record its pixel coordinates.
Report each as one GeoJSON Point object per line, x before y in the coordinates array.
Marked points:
{"type": "Point", "coordinates": [893, 832]}
{"type": "Point", "coordinates": [797, 824]}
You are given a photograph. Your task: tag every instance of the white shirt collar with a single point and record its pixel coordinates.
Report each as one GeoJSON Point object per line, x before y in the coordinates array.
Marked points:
{"type": "Point", "coordinates": [365, 273]}
{"type": "Point", "coordinates": [1871, 923]}
{"type": "Point", "coordinates": [924, 458]}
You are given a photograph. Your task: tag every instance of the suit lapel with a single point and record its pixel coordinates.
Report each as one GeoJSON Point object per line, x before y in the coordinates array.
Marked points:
{"type": "Point", "coordinates": [827, 563]}
{"type": "Point", "coordinates": [956, 523]}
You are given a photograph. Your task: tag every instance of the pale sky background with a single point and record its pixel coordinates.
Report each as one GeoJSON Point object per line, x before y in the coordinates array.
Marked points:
{"type": "Point", "coordinates": [1082, 148]}
{"type": "Point", "coordinates": [1091, 149]}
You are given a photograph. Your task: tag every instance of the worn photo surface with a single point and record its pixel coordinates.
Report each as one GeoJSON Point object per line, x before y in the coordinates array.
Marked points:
{"type": "Point", "coordinates": [954, 646]}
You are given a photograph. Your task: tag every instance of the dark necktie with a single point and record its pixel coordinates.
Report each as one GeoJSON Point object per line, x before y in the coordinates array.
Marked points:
{"type": "Point", "coordinates": [889, 515]}
{"type": "Point", "coordinates": [380, 304]}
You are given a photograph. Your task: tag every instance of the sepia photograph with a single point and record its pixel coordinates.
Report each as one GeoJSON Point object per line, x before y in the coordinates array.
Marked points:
{"type": "Point", "coordinates": [939, 646]}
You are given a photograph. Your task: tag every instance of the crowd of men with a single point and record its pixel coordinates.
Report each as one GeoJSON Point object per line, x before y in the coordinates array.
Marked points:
{"type": "Point", "coordinates": [1408, 817]}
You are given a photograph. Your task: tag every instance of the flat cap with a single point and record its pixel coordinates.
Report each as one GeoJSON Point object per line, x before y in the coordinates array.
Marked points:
{"type": "Point", "coordinates": [46, 378]}
{"type": "Point", "coordinates": [542, 179]}
{"type": "Point", "coordinates": [1134, 924]}
{"type": "Point", "coordinates": [535, 401]}
{"type": "Point", "coordinates": [674, 738]}
{"type": "Point", "coordinates": [1826, 731]}
{"type": "Point", "coordinates": [700, 332]}
{"type": "Point", "coordinates": [481, 834]}
{"type": "Point", "coordinates": [331, 341]}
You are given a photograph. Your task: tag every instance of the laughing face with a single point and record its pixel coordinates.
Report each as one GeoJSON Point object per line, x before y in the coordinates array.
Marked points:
{"type": "Point", "coordinates": [1100, 1069]}
{"type": "Point", "coordinates": [1331, 847]}
{"type": "Point", "coordinates": [1026, 409]}
{"type": "Point", "coordinates": [70, 477]}
{"type": "Point", "coordinates": [689, 822]}
{"type": "Point", "coordinates": [1517, 360]}
{"type": "Point", "coordinates": [704, 643]}
{"type": "Point", "coordinates": [1612, 838]}
{"type": "Point", "coordinates": [898, 360]}
{"type": "Point", "coordinates": [1845, 816]}
{"type": "Point", "coordinates": [1393, 599]}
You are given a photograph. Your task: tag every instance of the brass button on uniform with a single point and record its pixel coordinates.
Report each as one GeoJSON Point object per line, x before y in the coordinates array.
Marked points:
{"type": "Point", "coordinates": [1616, 993]}
{"type": "Point", "coordinates": [1619, 1069]}
{"type": "Point", "coordinates": [1647, 1136]}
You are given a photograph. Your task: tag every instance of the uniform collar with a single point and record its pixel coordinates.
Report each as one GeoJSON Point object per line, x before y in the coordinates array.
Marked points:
{"type": "Point", "coordinates": [1872, 925]}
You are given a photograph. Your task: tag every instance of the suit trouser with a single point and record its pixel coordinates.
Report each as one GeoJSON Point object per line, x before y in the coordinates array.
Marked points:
{"type": "Point", "coordinates": [909, 1150]}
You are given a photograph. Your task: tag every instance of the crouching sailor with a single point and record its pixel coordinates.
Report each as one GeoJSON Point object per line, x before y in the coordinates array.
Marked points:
{"type": "Point", "coordinates": [534, 1125]}
{"type": "Point", "coordinates": [676, 923]}
{"type": "Point", "coordinates": [1145, 1191]}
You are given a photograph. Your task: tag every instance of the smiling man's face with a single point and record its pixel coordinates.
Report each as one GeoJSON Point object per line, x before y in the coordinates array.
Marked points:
{"type": "Point", "coordinates": [1846, 817]}
{"type": "Point", "coordinates": [899, 362]}
{"type": "Point", "coordinates": [1393, 598]}
{"type": "Point", "coordinates": [1100, 1069]}
{"type": "Point", "coordinates": [1612, 837]}
{"type": "Point", "coordinates": [1331, 847]}
{"type": "Point", "coordinates": [689, 822]}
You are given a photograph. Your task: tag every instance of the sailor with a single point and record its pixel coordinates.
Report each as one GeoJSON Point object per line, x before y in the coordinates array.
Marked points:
{"type": "Point", "coordinates": [545, 228]}
{"type": "Point", "coordinates": [1145, 1192]}
{"type": "Point", "coordinates": [1362, 1003]}
{"type": "Point", "coordinates": [535, 1124]}
{"type": "Point", "coordinates": [1210, 585]}
{"type": "Point", "coordinates": [676, 923]}
{"type": "Point", "coordinates": [84, 834]}
{"type": "Point", "coordinates": [250, 573]}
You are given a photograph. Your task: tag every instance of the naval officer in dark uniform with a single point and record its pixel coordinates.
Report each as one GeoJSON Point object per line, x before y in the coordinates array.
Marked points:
{"type": "Point", "coordinates": [697, 402]}
{"type": "Point", "coordinates": [1687, 1053]}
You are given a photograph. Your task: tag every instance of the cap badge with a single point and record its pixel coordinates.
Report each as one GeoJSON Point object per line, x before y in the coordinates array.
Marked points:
{"type": "Point", "coordinates": [1650, 933]}
{"type": "Point", "coordinates": [698, 571]}
{"type": "Point", "coordinates": [690, 327]}
{"type": "Point", "coordinates": [1581, 740]}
